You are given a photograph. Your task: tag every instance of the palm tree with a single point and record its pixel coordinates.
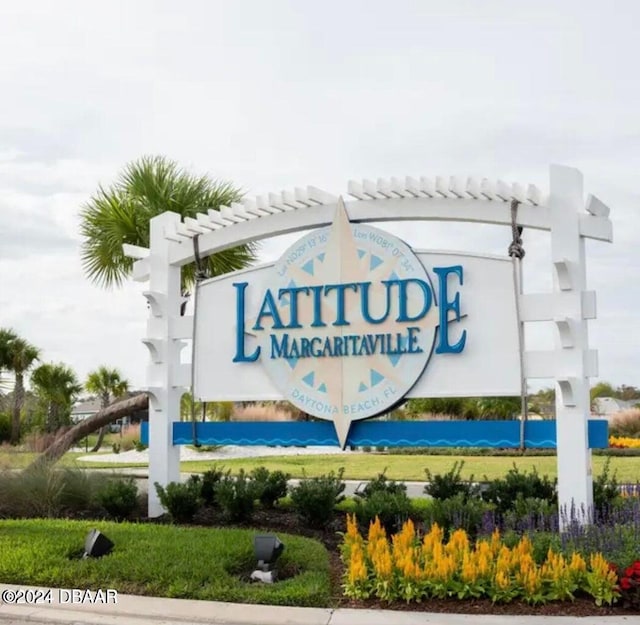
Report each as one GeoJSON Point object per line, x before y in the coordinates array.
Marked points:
{"type": "Point", "coordinates": [21, 357]}
{"type": "Point", "coordinates": [6, 338]}
{"type": "Point", "coordinates": [121, 214]}
{"type": "Point", "coordinates": [57, 387]}
{"type": "Point", "coordinates": [107, 384]}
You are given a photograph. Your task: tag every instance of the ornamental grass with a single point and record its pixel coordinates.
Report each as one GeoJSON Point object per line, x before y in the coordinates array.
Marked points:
{"type": "Point", "coordinates": [409, 567]}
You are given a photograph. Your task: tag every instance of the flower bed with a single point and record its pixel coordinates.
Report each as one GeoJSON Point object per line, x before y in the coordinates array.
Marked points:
{"type": "Point", "coordinates": [630, 586]}
{"type": "Point", "coordinates": [624, 442]}
{"type": "Point", "coordinates": [413, 569]}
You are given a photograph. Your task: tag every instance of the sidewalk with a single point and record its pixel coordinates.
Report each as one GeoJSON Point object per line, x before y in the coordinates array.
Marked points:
{"type": "Point", "coordinates": [135, 610]}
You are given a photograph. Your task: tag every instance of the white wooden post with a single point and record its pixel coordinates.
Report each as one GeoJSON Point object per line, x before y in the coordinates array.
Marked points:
{"type": "Point", "coordinates": [575, 483]}
{"type": "Point", "coordinates": [164, 299]}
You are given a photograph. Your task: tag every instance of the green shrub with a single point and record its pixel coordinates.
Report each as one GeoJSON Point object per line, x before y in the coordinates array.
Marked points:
{"type": "Point", "coordinates": [538, 514]}
{"type": "Point", "coordinates": [271, 485]}
{"type": "Point", "coordinates": [459, 512]}
{"type": "Point", "coordinates": [181, 501]}
{"type": "Point", "coordinates": [315, 499]}
{"type": "Point", "coordinates": [450, 484]}
{"type": "Point", "coordinates": [208, 488]}
{"type": "Point", "coordinates": [79, 493]}
{"type": "Point", "coordinates": [606, 491]}
{"type": "Point", "coordinates": [503, 492]}
{"type": "Point", "coordinates": [380, 484]}
{"type": "Point", "coordinates": [393, 509]}
{"type": "Point", "coordinates": [5, 427]}
{"type": "Point", "coordinates": [119, 497]}
{"type": "Point", "coordinates": [237, 496]}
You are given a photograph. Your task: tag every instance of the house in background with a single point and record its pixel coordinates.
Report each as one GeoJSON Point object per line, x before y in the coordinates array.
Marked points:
{"type": "Point", "coordinates": [85, 408]}
{"type": "Point", "coordinates": [608, 407]}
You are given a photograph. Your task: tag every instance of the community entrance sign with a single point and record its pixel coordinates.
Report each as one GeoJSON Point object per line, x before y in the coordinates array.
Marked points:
{"type": "Point", "coordinates": [351, 321]}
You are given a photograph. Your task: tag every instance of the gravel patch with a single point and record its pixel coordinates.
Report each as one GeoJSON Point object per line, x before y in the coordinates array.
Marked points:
{"type": "Point", "coordinates": [224, 453]}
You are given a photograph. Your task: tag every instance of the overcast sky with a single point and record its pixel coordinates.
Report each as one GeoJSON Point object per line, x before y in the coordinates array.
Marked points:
{"type": "Point", "coordinates": [277, 94]}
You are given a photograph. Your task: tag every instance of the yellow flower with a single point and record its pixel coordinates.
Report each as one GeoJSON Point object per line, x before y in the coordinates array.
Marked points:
{"type": "Point", "coordinates": [496, 542]}
{"type": "Point", "coordinates": [502, 580]}
{"type": "Point", "coordinates": [577, 564]}
{"type": "Point", "coordinates": [380, 556]}
{"type": "Point", "coordinates": [484, 557]}
{"type": "Point", "coordinates": [433, 538]}
{"type": "Point", "coordinates": [458, 544]}
{"type": "Point", "coordinates": [353, 534]}
{"type": "Point", "coordinates": [357, 567]}
{"type": "Point", "coordinates": [505, 559]}
{"type": "Point", "coordinates": [524, 546]}
{"type": "Point", "coordinates": [376, 531]}
{"type": "Point", "coordinates": [469, 572]}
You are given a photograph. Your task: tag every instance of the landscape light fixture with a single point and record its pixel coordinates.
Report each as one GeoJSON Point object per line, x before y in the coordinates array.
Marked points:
{"type": "Point", "coordinates": [96, 545]}
{"type": "Point", "coordinates": [267, 549]}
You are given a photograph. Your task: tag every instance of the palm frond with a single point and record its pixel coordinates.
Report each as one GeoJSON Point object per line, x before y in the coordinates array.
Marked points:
{"type": "Point", "coordinates": [121, 214]}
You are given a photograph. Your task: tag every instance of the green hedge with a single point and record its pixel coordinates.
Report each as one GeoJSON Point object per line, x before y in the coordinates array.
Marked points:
{"type": "Point", "coordinates": [160, 560]}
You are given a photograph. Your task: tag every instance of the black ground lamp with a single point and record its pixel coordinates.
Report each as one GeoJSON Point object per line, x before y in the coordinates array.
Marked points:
{"type": "Point", "coordinates": [267, 549]}
{"type": "Point", "coordinates": [96, 545]}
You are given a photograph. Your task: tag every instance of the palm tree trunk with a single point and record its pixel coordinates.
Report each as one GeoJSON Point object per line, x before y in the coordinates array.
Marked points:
{"type": "Point", "coordinates": [107, 415]}
{"type": "Point", "coordinates": [101, 435]}
{"type": "Point", "coordinates": [18, 401]}
{"type": "Point", "coordinates": [104, 428]}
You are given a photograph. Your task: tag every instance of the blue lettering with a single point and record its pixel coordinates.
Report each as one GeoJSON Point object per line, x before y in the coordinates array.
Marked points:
{"type": "Point", "coordinates": [269, 309]}
{"type": "Point", "coordinates": [364, 301]}
{"type": "Point", "coordinates": [404, 317]}
{"type": "Point", "coordinates": [240, 331]}
{"type": "Point", "coordinates": [340, 292]}
{"type": "Point", "coordinates": [414, 348]}
{"type": "Point", "coordinates": [293, 303]}
{"type": "Point", "coordinates": [279, 350]}
{"type": "Point", "coordinates": [444, 347]}
{"type": "Point", "coordinates": [317, 307]}
{"type": "Point", "coordinates": [316, 352]}
{"type": "Point", "coordinates": [305, 347]}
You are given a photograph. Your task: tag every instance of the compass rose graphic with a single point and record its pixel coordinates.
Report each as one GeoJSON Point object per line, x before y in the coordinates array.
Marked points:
{"type": "Point", "coordinates": [379, 361]}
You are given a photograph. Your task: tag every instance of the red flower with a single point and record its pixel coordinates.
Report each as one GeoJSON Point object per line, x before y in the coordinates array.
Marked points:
{"type": "Point", "coordinates": [625, 583]}
{"type": "Point", "coordinates": [636, 567]}
{"type": "Point", "coordinates": [629, 571]}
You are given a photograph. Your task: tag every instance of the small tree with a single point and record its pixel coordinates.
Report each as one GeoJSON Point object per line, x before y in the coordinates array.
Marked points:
{"type": "Point", "coordinates": [56, 386]}
{"type": "Point", "coordinates": [6, 338]}
{"type": "Point", "coordinates": [21, 357]}
{"type": "Point", "coordinates": [107, 384]}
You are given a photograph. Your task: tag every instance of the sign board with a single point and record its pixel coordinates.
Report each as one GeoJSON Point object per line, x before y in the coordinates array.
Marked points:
{"type": "Point", "coordinates": [351, 321]}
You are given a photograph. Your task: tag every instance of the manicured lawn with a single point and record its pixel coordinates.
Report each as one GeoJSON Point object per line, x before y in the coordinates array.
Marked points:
{"type": "Point", "coordinates": [411, 467]}
{"type": "Point", "coordinates": [160, 560]}
{"type": "Point", "coordinates": [360, 466]}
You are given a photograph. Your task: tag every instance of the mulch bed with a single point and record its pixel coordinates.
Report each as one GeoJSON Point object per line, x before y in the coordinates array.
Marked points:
{"type": "Point", "coordinates": [286, 521]}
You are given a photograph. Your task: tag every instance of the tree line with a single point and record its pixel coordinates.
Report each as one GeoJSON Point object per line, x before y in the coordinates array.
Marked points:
{"type": "Point", "coordinates": [54, 389]}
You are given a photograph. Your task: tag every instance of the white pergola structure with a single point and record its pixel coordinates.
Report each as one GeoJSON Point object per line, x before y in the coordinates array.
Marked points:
{"type": "Point", "coordinates": [562, 211]}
